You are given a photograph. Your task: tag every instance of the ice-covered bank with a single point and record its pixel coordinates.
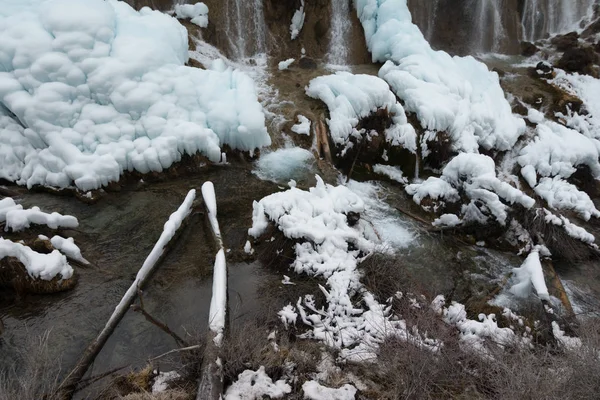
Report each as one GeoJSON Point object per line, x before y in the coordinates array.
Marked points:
{"type": "Point", "coordinates": [89, 90]}
{"type": "Point", "coordinates": [458, 95]}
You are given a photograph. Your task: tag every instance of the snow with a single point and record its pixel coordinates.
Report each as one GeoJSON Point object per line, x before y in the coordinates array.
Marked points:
{"type": "Point", "coordinates": [327, 246]}
{"type": "Point", "coordinates": [315, 391]}
{"type": "Point", "coordinates": [351, 98]}
{"type": "Point", "coordinates": [170, 228]}
{"type": "Point", "coordinates": [530, 275]}
{"type": "Point", "coordinates": [197, 13]}
{"type": "Point", "coordinates": [39, 266]}
{"type": "Point", "coordinates": [447, 220]}
{"type": "Point", "coordinates": [297, 21]}
{"type": "Point", "coordinates": [17, 218]}
{"type": "Point", "coordinates": [458, 95]}
{"type": "Point", "coordinates": [248, 248]}
{"type": "Point", "coordinates": [303, 126]}
{"type": "Point", "coordinates": [473, 334]}
{"type": "Point", "coordinates": [218, 301]}
{"type": "Point", "coordinates": [68, 247]}
{"type": "Point", "coordinates": [161, 382]}
{"type": "Point", "coordinates": [284, 164]}
{"type": "Point", "coordinates": [569, 343]}
{"type": "Point", "coordinates": [475, 175]}
{"type": "Point", "coordinates": [534, 116]}
{"type": "Point", "coordinates": [90, 90]}
{"type": "Point", "coordinates": [572, 230]}
{"type": "Point", "coordinates": [253, 385]}
{"type": "Point", "coordinates": [288, 315]}
{"type": "Point", "coordinates": [394, 173]}
{"type": "Point", "coordinates": [562, 195]}
{"type": "Point", "coordinates": [283, 65]}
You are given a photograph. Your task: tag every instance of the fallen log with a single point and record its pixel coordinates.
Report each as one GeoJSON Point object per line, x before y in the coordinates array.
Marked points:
{"type": "Point", "coordinates": [322, 140]}
{"type": "Point", "coordinates": [210, 386]}
{"type": "Point", "coordinates": [171, 229]}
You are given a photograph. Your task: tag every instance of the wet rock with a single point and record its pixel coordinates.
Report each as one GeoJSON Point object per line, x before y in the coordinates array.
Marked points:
{"type": "Point", "coordinates": [352, 218]}
{"type": "Point", "coordinates": [528, 49]}
{"type": "Point", "coordinates": [565, 42]}
{"type": "Point", "coordinates": [580, 60]}
{"type": "Point", "coordinates": [307, 63]}
{"type": "Point", "coordinates": [543, 69]}
{"type": "Point", "coordinates": [14, 274]}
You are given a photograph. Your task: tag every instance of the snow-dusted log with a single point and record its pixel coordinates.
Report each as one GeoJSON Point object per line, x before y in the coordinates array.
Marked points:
{"type": "Point", "coordinates": [211, 378]}
{"type": "Point", "coordinates": [171, 228]}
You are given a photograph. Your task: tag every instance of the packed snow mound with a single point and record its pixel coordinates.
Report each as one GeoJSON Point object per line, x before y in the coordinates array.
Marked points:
{"type": "Point", "coordinates": [562, 195]}
{"type": "Point", "coordinates": [89, 90]}
{"type": "Point", "coordinates": [350, 98]}
{"type": "Point", "coordinates": [475, 176]}
{"type": "Point", "coordinates": [39, 266]}
{"type": "Point", "coordinates": [254, 385]}
{"type": "Point", "coordinates": [197, 13]}
{"type": "Point", "coordinates": [16, 218]}
{"type": "Point", "coordinates": [303, 126]}
{"type": "Point", "coordinates": [313, 390]}
{"type": "Point", "coordinates": [330, 243]}
{"type": "Point", "coordinates": [458, 95]}
{"type": "Point", "coordinates": [285, 64]}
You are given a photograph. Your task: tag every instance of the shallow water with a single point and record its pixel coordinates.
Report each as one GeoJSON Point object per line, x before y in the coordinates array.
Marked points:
{"type": "Point", "coordinates": [116, 234]}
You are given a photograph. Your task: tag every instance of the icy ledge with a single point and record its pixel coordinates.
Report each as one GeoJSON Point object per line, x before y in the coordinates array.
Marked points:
{"type": "Point", "coordinates": [89, 90]}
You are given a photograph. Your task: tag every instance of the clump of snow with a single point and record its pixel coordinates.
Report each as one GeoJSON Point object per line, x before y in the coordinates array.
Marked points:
{"type": "Point", "coordinates": [288, 315]}
{"type": "Point", "coordinates": [475, 175]}
{"type": "Point", "coordinates": [328, 245]}
{"type": "Point", "coordinates": [284, 164]}
{"type": "Point", "coordinates": [352, 97]}
{"type": "Point", "coordinates": [313, 390]}
{"type": "Point", "coordinates": [303, 126]}
{"type": "Point", "coordinates": [394, 173]}
{"type": "Point", "coordinates": [283, 65]}
{"type": "Point", "coordinates": [447, 220]}
{"type": "Point", "coordinates": [568, 342]}
{"type": "Point", "coordinates": [562, 195]}
{"type": "Point", "coordinates": [253, 385]}
{"type": "Point", "coordinates": [572, 230]}
{"type": "Point", "coordinates": [530, 275]}
{"type": "Point", "coordinates": [38, 265]}
{"type": "Point", "coordinates": [68, 247]}
{"type": "Point", "coordinates": [473, 334]}
{"type": "Point", "coordinates": [458, 95]}
{"type": "Point", "coordinates": [161, 381]}
{"type": "Point", "coordinates": [92, 89]}
{"type": "Point", "coordinates": [197, 13]}
{"type": "Point", "coordinates": [17, 218]}
{"type": "Point", "coordinates": [248, 248]}
{"type": "Point", "coordinates": [534, 116]}
{"type": "Point", "coordinates": [297, 21]}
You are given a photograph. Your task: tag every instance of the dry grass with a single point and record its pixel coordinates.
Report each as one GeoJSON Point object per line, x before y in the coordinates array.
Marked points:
{"type": "Point", "coordinates": [34, 373]}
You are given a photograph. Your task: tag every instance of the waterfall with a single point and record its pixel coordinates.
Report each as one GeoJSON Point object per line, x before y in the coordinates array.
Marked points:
{"type": "Point", "coordinates": [424, 14]}
{"type": "Point", "coordinates": [489, 31]}
{"type": "Point", "coordinates": [340, 32]}
{"type": "Point", "coordinates": [542, 17]}
{"type": "Point", "coordinates": [245, 26]}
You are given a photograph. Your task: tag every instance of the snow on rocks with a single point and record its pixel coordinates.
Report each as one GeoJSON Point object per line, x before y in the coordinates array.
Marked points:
{"type": "Point", "coordinates": [39, 266]}
{"type": "Point", "coordinates": [458, 95]}
{"type": "Point", "coordinates": [303, 126]}
{"type": "Point", "coordinates": [562, 195]}
{"type": "Point", "coordinates": [313, 390]}
{"type": "Point", "coordinates": [329, 244]}
{"type": "Point", "coordinates": [16, 218]}
{"type": "Point", "coordinates": [297, 21]}
{"type": "Point", "coordinates": [568, 342]}
{"type": "Point", "coordinates": [254, 385]}
{"type": "Point", "coordinates": [283, 65]}
{"type": "Point", "coordinates": [394, 173]}
{"type": "Point", "coordinates": [197, 13]}
{"type": "Point", "coordinates": [68, 247]}
{"type": "Point", "coordinates": [351, 98]}
{"type": "Point", "coordinates": [475, 175]}
{"type": "Point", "coordinates": [530, 275]}
{"type": "Point", "coordinates": [89, 90]}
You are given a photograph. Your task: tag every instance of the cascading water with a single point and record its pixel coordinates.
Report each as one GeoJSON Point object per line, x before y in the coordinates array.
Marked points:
{"type": "Point", "coordinates": [542, 17]}
{"type": "Point", "coordinates": [245, 26]}
{"type": "Point", "coordinates": [489, 31]}
{"type": "Point", "coordinates": [340, 32]}
{"type": "Point", "coordinates": [425, 16]}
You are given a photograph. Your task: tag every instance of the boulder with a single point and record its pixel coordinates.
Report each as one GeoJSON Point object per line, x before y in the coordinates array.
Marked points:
{"type": "Point", "coordinates": [565, 42]}
{"type": "Point", "coordinates": [528, 49]}
{"type": "Point", "coordinates": [578, 59]}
